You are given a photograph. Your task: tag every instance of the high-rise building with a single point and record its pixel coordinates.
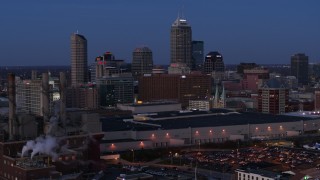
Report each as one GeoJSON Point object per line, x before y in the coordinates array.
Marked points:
{"type": "Point", "coordinates": [79, 60]}
{"type": "Point", "coordinates": [180, 42]}
{"type": "Point", "coordinates": [273, 97]}
{"type": "Point", "coordinates": [299, 67]}
{"type": "Point", "coordinates": [197, 54]}
{"type": "Point", "coordinates": [142, 62]}
{"type": "Point", "coordinates": [213, 62]}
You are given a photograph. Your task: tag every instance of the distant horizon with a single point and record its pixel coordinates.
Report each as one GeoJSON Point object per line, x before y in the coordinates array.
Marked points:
{"type": "Point", "coordinates": [38, 32]}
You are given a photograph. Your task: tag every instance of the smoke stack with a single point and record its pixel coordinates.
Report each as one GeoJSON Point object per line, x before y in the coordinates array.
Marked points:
{"type": "Point", "coordinates": [63, 99]}
{"type": "Point", "coordinates": [33, 75]}
{"type": "Point", "coordinates": [45, 97]}
{"type": "Point", "coordinates": [12, 104]}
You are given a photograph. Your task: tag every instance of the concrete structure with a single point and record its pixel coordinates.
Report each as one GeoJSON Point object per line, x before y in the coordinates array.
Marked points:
{"type": "Point", "coordinates": [142, 62]}
{"type": "Point", "coordinates": [12, 104]}
{"type": "Point", "coordinates": [45, 97]}
{"type": "Point", "coordinates": [197, 54]}
{"type": "Point", "coordinates": [273, 97]}
{"type": "Point", "coordinates": [63, 98]}
{"type": "Point", "coordinates": [217, 125]}
{"type": "Point", "coordinates": [299, 68]}
{"type": "Point", "coordinates": [181, 88]}
{"type": "Point", "coordinates": [150, 107]}
{"type": "Point", "coordinates": [180, 42]}
{"type": "Point", "coordinates": [79, 60]}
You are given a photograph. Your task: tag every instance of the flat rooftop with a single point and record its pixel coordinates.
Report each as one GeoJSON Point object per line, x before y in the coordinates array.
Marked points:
{"type": "Point", "coordinates": [194, 119]}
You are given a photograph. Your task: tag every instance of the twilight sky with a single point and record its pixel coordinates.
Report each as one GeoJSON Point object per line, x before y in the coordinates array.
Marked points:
{"type": "Point", "coordinates": [37, 32]}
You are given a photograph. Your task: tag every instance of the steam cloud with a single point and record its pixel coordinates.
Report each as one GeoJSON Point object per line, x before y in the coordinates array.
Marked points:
{"type": "Point", "coordinates": [45, 145]}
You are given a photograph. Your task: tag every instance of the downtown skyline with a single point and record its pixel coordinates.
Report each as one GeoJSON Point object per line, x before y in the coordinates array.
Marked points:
{"type": "Point", "coordinates": [37, 33]}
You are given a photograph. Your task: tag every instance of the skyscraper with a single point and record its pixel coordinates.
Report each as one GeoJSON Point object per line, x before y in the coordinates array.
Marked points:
{"type": "Point", "coordinates": [180, 42]}
{"type": "Point", "coordinates": [213, 62]}
{"type": "Point", "coordinates": [142, 62]}
{"type": "Point", "coordinates": [299, 68]}
{"type": "Point", "coordinates": [79, 59]}
{"type": "Point", "coordinates": [197, 54]}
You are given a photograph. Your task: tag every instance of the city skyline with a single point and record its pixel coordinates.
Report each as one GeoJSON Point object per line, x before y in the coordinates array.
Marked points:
{"type": "Point", "coordinates": [37, 33]}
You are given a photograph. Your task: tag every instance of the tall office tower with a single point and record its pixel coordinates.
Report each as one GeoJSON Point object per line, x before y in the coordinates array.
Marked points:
{"type": "Point", "coordinates": [213, 62]}
{"type": "Point", "coordinates": [142, 62]}
{"type": "Point", "coordinates": [299, 68]}
{"type": "Point", "coordinates": [180, 42]}
{"type": "Point", "coordinates": [273, 97]}
{"type": "Point", "coordinates": [79, 62]}
{"type": "Point", "coordinates": [197, 54]}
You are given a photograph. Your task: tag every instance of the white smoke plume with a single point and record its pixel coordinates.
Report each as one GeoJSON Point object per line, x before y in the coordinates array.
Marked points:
{"type": "Point", "coordinates": [47, 145]}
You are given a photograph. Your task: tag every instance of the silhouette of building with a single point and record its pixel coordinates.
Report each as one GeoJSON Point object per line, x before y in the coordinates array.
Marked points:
{"type": "Point", "coordinates": [299, 67]}
{"type": "Point", "coordinates": [142, 62]}
{"type": "Point", "coordinates": [214, 66]}
{"type": "Point", "coordinates": [180, 42]}
{"type": "Point", "coordinates": [79, 60]}
{"type": "Point", "coordinates": [273, 97]}
{"type": "Point", "coordinates": [213, 62]}
{"type": "Point", "coordinates": [197, 54]}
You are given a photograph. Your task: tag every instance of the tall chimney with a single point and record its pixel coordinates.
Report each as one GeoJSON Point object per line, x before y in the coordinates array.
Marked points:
{"type": "Point", "coordinates": [63, 99]}
{"type": "Point", "coordinates": [45, 97]}
{"type": "Point", "coordinates": [12, 104]}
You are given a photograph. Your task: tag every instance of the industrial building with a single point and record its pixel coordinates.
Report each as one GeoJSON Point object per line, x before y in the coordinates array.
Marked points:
{"type": "Point", "coordinates": [181, 128]}
{"type": "Point", "coordinates": [51, 146]}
